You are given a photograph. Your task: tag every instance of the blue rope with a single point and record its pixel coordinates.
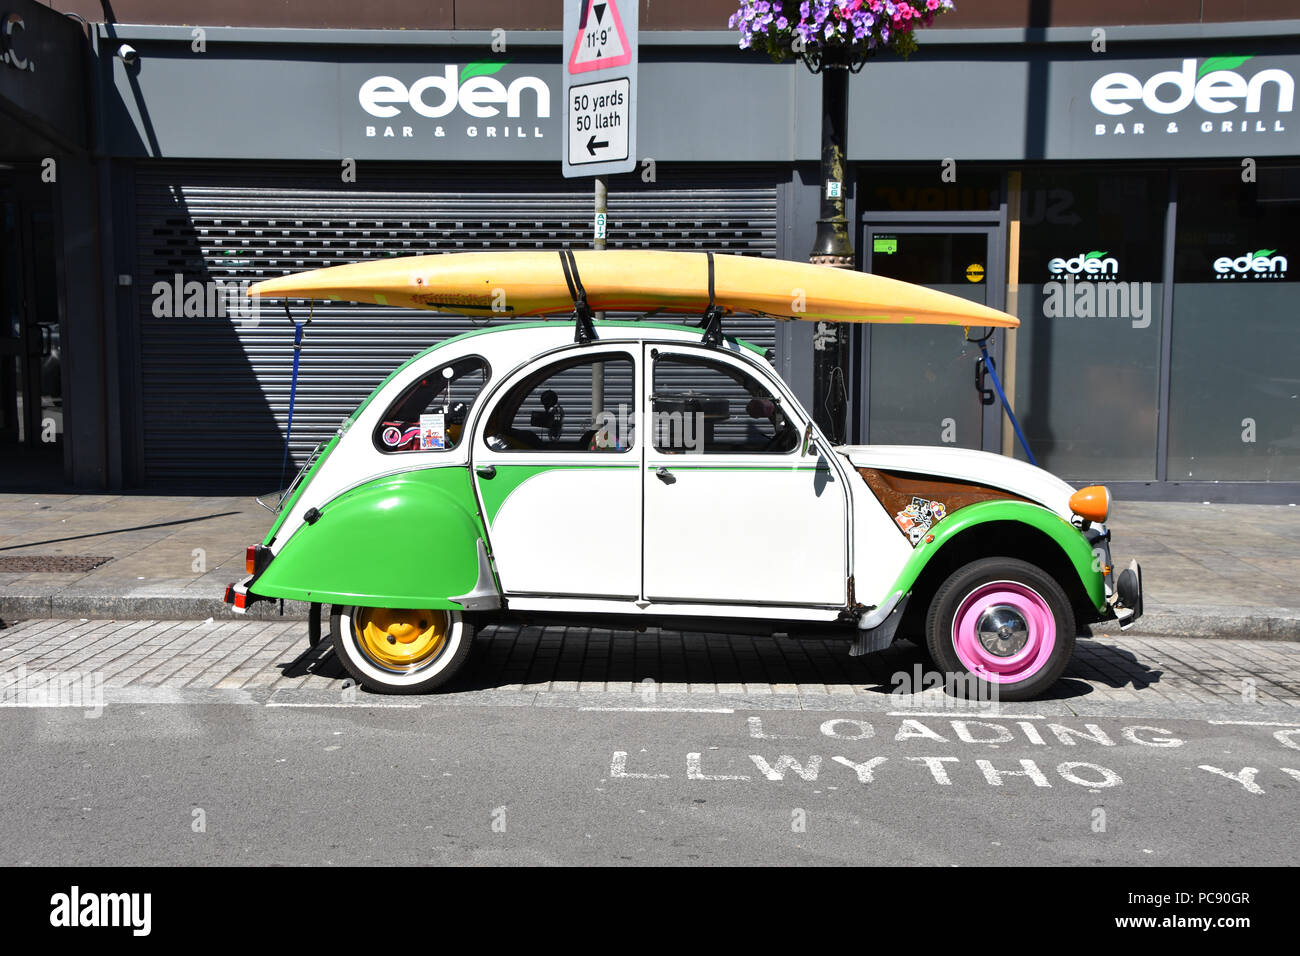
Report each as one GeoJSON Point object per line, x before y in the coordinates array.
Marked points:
{"type": "Point", "coordinates": [293, 393]}
{"type": "Point", "coordinates": [988, 364]}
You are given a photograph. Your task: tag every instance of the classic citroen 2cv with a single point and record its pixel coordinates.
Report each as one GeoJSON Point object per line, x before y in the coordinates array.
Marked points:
{"type": "Point", "coordinates": [646, 473]}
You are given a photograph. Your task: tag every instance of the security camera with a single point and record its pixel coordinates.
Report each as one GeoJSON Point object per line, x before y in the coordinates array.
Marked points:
{"type": "Point", "coordinates": [128, 54]}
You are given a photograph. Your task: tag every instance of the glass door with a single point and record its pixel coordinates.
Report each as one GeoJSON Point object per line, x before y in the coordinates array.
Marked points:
{"type": "Point", "coordinates": [923, 384]}
{"type": "Point", "coordinates": [31, 407]}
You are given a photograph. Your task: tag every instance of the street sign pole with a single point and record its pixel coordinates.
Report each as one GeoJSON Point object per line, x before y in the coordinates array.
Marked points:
{"type": "Point", "coordinates": [600, 65]}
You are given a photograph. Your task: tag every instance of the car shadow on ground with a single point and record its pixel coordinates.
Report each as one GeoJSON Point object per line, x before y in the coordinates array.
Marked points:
{"type": "Point", "coordinates": [603, 659]}
{"type": "Point", "coordinates": [318, 661]}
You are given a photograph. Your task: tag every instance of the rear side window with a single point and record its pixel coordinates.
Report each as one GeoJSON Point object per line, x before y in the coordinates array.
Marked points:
{"type": "Point", "coordinates": [430, 415]}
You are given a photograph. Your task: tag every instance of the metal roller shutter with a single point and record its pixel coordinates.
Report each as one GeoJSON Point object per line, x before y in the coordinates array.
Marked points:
{"type": "Point", "coordinates": [215, 391]}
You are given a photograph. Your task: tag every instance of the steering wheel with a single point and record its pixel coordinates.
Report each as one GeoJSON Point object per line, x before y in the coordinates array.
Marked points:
{"type": "Point", "coordinates": [782, 433]}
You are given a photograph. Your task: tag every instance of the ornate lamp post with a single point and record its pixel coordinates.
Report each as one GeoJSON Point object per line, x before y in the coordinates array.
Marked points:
{"type": "Point", "coordinates": [833, 38]}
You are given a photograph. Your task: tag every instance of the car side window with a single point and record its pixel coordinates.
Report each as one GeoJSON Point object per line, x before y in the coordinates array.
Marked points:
{"type": "Point", "coordinates": [431, 412]}
{"type": "Point", "coordinates": [703, 406]}
{"type": "Point", "coordinates": [581, 404]}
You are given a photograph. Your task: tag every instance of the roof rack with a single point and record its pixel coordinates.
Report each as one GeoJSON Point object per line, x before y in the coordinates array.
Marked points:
{"type": "Point", "coordinates": [584, 329]}
{"type": "Point", "coordinates": [711, 322]}
{"type": "Point", "coordinates": [583, 315]}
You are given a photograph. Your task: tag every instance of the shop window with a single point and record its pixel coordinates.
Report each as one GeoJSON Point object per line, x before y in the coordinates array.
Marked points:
{"type": "Point", "coordinates": [1234, 402]}
{"type": "Point", "coordinates": [1089, 300]}
{"type": "Point", "coordinates": [431, 414]}
{"type": "Point", "coordinates": [704, 406]}
{"type": "Point", "coordinates": [581, 404]}
{"type": "Point", "coordinates": [923, 189]}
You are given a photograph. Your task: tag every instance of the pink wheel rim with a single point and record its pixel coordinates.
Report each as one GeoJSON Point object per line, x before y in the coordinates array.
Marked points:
{"type": "Point", "coordinates": [1011, 601]}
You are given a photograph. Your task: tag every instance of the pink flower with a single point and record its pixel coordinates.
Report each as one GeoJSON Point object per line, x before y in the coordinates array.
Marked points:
{"type": "Point", "coordinates": [932, 4]}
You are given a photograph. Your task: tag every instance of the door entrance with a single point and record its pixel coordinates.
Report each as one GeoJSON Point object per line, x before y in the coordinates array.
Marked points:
{"type": "Point", "coordinates": [923, 385]}
{"type": "Point", "coordinates": [31, 402]}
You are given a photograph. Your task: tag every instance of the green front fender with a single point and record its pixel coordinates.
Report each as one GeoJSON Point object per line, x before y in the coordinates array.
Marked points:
{"type": "Point", "coordinates": [406, 541]}
{"type": "Point", "coordinates": [1074, 545]}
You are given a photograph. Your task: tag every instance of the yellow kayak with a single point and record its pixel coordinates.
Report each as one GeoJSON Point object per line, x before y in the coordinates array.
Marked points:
{"type": "Point", "coordinates": [533, 284]}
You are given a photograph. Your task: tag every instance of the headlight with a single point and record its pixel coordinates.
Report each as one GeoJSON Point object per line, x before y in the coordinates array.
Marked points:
{"type": "Point", "coordinates": [1092, 503]}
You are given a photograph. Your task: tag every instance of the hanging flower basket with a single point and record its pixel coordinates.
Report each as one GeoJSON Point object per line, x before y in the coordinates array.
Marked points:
{"type": "Point", "coordinates": [837, 34]}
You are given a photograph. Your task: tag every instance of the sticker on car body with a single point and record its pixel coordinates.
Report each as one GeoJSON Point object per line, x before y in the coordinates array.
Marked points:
{"type": "Point", "coordinates": [919, 516]}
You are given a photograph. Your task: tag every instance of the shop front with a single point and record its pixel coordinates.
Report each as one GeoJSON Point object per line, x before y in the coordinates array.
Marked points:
{"type": "Point", "coordinates": [1104, 198]}
{"type": "Point", "coordinates": [42, 139]}
{"type": "Point", "coordinates": [274, 152]}
{"type": "Point", "coordinates": [1140, 223]}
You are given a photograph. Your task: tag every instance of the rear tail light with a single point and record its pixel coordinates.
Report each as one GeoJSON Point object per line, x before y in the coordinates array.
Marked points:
{"type": "Point", "coordinates": [256, 557]}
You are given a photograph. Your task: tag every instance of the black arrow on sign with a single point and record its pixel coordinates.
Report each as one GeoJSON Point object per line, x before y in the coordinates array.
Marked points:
{"type": "Point", "coordinates": [600, 12]}
{"type": "Point", "coordinates": [594, 144]}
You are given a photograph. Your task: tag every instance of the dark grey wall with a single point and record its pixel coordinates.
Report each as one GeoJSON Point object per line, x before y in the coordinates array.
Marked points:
{"type": "Point", "coordinates": [42, 76]}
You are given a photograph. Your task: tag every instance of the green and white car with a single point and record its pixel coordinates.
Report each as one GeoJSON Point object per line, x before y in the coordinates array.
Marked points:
{"type": "Point", "coordinates": [649, 476]}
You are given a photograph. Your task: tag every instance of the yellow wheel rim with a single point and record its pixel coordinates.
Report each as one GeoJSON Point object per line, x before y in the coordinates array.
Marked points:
{"type": "Point", "coordinates": [397, 639]}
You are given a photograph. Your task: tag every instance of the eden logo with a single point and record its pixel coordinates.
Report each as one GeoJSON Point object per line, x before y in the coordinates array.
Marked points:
{"type": "Point", "coordinates": [472, 88]}
{"type": "Point", "coordinates": [1095, 263]}
{"type": "Point", "coordinates": [1261, 264]}
{"type": "Point", "coordinates": [1215, 87]}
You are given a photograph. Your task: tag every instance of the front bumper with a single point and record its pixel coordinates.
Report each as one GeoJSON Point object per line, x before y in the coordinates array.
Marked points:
{"type": "Point", "coordinates": [1126, 601]}
{"type": "Point", "coordinates": [1123, 590]}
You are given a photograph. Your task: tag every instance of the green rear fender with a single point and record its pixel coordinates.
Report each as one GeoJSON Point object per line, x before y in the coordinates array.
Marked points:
{"type": "Point", "coordinates": [1073, 544]}
{"type": "Point", "coordinates": [406, 541]}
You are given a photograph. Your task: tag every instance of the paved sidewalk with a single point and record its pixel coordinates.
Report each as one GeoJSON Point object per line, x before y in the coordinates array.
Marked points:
{"type": "Point", "coordinates": [271, 663]}
{"type": "Point", "coordinates": [1209, 570]}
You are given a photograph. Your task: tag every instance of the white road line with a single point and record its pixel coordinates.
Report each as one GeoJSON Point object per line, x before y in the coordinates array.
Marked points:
{"type": "Point", "coordinates": [955, 713]}
{"type": "Point", "coordinates": [664, 710]}
{"type": "Point", "coordinates": [273, 703]}
{"type": "Point", "coordinates": [1257, 723]}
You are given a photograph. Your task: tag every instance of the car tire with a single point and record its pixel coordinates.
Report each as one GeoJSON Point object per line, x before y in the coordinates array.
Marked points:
{"type": "Point", "coordinates": [399, 651]}
{"type": "Point", "coordinates": [1000, 629]}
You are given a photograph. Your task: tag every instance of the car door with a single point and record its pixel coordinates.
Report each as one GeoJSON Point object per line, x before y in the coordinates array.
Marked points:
{"type": "Point", "coordinates": [735, 512]}
{"type": "Point", "coordinates": [556, 465]}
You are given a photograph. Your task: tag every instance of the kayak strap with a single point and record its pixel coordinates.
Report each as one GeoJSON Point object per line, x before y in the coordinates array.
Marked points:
{"type": "Point", "coordinates": [584, 329]}
{"type": "Point", "coordinates": [711, 322]}
{"type": "Point", "coordinates": [298, 328]}
{"type": "Point", "coordinates": [982, 342]}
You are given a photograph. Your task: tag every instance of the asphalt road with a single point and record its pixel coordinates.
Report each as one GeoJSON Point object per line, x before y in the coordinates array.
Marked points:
{"type": "Point", "coordinates": [241, 778]}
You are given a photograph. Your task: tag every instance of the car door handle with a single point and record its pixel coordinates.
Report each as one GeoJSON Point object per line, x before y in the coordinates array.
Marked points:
{"type": "Point", "coordinates": [666, 476]}
{"type": "Point", "coordinates": [486, 471]}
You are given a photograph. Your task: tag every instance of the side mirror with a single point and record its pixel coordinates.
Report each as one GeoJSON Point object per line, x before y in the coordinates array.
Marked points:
{"type": "Point", "coordinates": [807, 445]}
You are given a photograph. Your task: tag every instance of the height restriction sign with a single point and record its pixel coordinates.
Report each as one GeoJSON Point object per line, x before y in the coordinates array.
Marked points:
{"type": "Point", "coordinates": [600, 60]}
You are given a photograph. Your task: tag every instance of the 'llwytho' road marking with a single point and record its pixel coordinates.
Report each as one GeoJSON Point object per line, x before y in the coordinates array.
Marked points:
{"type": "Point", "coordinates": [1257, 723]}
